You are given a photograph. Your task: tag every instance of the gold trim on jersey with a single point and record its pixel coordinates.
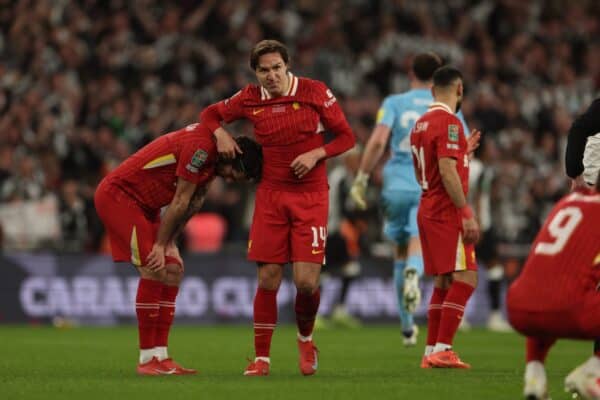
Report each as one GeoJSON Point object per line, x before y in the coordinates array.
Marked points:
{"type": "Point", "coordinates": [161, 161]}
{"type": "Point", "coordinates": [135, 250]}
{"type": "Point", "coordinates": [597, 260]}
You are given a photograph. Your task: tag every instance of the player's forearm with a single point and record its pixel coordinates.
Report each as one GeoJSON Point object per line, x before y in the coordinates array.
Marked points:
{"type": "Point", "coordinates": [344, 140]}
{"type": "Point", "coordinates": [453, 186]}
{"type": "Point", "coordinates": [373, 152]}
{"type": "Point", "coordinates": [211, 117]}
{"type": "Point", "coordinates": [193, 207]}
{"type": "Point", "coordinates": [173, 218]}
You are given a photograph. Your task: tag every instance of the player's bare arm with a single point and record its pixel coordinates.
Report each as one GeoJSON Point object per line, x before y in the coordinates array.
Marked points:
{"type": "Point", "coordinates": [171, 220]}
{"type": "Point", "coordinates": [453, 187]}
{"type": "Point", "coordinates": [305, 162]}
{"type": "Point", "coordinates": [373, 152]}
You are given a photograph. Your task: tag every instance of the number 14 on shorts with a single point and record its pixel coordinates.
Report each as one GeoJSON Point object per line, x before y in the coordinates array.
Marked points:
{"type": "Point", "coordinates": [319, 238]}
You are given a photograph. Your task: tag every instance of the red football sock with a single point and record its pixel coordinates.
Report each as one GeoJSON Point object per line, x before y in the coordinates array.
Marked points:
{"type": "Point", "coordinates": [453, 309]}
{"type": "Point", "coordinates": [147, 310]}
{"type": "Point", "coordinates": [265, 319]}
{"type": "Point", "coordinates": [306, 309]}
{"type": "Point", "coordinates": [537, 348]}
{"type": "Point", "coordinates": [166, 314]}
{"type": "Point", "coordinates": [433, 314]}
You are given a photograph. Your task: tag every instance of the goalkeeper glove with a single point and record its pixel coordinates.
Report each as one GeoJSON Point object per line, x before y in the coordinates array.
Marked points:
{"type": "Point", "coordinates": [358, 191]}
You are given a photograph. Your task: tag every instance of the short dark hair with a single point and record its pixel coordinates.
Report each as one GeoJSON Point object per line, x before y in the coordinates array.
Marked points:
{"type": "Point", "coordinates": [266, 47]}
{"type": "Point", "coordinates": [251, 160]}
{"type": "Point", "coordinates": [446, 76]}
{"type": "Point", "coordinates": [425, 64]}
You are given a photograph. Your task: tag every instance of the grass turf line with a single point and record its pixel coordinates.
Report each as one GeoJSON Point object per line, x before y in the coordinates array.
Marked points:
{"type": "Point", "coordinates": [368, 363]}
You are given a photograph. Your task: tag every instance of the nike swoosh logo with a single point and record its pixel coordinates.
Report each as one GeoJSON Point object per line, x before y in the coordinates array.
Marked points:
{"type": "Point", "coordinates": [317, 251]}
{"type": "Point", "coordinates": [169, 372]}
{"type": "Point", "coordinates": [254, 112]}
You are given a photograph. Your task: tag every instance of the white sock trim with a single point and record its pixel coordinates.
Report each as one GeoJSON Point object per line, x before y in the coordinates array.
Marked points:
{"type": "Point", "coordinates": [146, 355]}
{"type": "Point", "coordinates": [265, 359]}
{"type": "Point", "coordinates": [439, 346]}
{"type": "Point", "coordinates": [161, 353]}
{"type": "Point", "coordinates": [428, 350]}
{"type": "Point", "coordinates": [304, 338]}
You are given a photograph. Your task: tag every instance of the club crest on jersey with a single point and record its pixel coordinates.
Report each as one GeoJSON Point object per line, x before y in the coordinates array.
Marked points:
{"type": "Point", "coordinates": [197, 161]}
{"type": "Point", "coordinates": [453, 133]}
{"type": "Point", "coordinates": [296, 105]}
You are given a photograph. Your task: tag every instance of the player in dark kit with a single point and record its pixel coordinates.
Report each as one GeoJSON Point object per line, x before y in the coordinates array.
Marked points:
{"type": "Point", "coordinates": [175, 171]}
{"type": "Point", "coordinates": [290, 115]}
{"type": "Point", "coordinates": [557, 294]}
{"type": "Point", "coordinates": [447, 227]}
{"type": "Point", "coordinates": [582, 157]}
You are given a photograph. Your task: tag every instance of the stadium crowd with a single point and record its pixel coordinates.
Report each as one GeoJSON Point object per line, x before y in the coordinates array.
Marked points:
{"type": "Point", "coordinates": [83, 84]}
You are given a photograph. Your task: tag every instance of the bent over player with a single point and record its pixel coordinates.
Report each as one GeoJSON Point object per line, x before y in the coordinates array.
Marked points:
{"type": "Point", "coordinates": [174, 170]}
{"type": "Point", "coordinates": [557, 293]}
{"type": "Point", "coordinates": [290, 115]}
{"type": "Point", "coordinates": [447, 227]}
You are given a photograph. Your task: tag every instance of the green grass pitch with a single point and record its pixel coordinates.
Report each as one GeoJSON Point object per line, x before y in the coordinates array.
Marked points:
{"type": "Point", "coordinates": [369, 363]}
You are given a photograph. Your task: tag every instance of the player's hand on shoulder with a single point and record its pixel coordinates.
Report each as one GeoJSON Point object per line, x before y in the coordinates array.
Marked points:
{"type": "Point", "coordinates": [358, 191]}
{"type": "Point", "coordinates": [226, 145]}
{"type": "Point", "coordinates": [156, 258]}
{"type": "Point", "coordinates": [473, 141]}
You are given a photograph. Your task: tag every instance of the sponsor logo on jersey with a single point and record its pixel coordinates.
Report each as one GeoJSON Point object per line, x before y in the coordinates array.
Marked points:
{"type": "Point", "coordinates": [191, 127]}
{"type": "Point", "coordinates": [197, 161]}
{"type": "Point", "coordinates": [278, 109]}
{"type": "Point", "coordinates": [453, 133]}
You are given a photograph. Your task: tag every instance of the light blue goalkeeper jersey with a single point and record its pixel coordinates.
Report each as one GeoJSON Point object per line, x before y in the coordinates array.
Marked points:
{"type": "Point", "coordinates": [399, 112]}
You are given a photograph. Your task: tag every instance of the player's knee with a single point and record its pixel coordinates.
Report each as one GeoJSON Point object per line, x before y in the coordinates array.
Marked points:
{"type": "Point", "coordinates": [269, 276]}
{"type": "Point", "coordinates": [160, 275]}
{"type": "Point", "coordinates": [174, 274]}
{"type": "Point", "coordinates": [306, 286]}
{"type": "Point", "coordinates": [468, 277]}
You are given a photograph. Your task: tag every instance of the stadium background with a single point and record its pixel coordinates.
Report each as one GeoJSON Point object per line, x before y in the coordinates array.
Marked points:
{"type": "Point", "coordinates": [83, 84]}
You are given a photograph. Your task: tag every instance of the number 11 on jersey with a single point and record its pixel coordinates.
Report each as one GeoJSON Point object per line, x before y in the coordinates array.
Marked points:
{"type": "Point", "coordinates": [420, 157]}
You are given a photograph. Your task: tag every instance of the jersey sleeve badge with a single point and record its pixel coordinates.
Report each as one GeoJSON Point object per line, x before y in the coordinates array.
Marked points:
{"type": "Point", "coordinates": [197, 161]}
{"type": "Point", "coordinates": [453, 133]}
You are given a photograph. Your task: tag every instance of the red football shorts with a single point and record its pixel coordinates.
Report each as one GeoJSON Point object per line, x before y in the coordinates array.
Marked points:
{"type": "Point", "coordinates": [443, 249]}
{"type": "Point", "coordinates": [581, 322]}
{"type": "Point", "coordinates": [289, 227]}
{"type": "Point", "coordinates": [131, 231]}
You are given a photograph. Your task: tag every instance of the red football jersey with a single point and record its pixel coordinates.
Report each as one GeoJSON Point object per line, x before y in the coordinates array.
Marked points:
{"type": "Point", "coordinates": [564, 262]}
{"type": "Point", "coordinates": [288, 126]}
{"type": "Point", "coordinates": [438, 133]}
{"type": "Point", "coordinates": [150, 175]}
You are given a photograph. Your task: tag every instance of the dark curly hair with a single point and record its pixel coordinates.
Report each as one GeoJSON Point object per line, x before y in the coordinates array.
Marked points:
{"type": "Point", "coordinates": [251, 160]}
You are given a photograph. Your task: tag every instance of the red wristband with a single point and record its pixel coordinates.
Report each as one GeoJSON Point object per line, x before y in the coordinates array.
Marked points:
{"type": "Point", "coordinates": [466, 212]}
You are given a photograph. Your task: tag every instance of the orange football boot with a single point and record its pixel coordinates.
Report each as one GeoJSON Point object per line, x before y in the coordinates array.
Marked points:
{"type": "Point", "coordinates": [257, 368]}
{"type": "Point", "coordinates": [446, 359]}
{"type": "Point", "coordinates": [309, 360]}
{"type": "Point", "coordinates": [153, 368]}
{"type": "Point", "coordinates": [169, 364]}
